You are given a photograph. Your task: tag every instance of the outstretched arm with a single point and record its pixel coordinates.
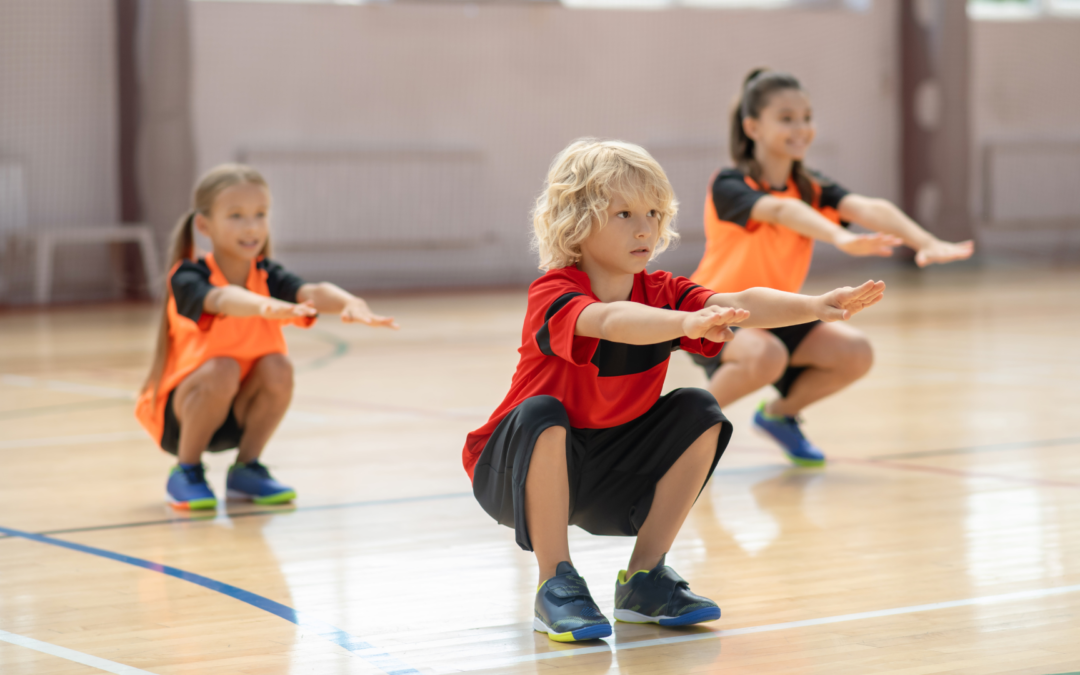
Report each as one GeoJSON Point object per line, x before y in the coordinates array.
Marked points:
{"type": "Point", "coordinates": [635, 324]}
{"type": "Point", "coordinates": [800, 217]}
{"type": "Point", "coordinates": [769, 308]}
{"type": "Point", "coordinates": [326, 297]}
{"type": "Point", "coordinates": [882, 215]}
{"type": "Point", "coordinates": [237, 301]}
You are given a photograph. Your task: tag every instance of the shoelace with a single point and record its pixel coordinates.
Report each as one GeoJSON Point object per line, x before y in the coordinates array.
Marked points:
{"type": "Point", "coordinates": [194, 474]}
{"type": "Point", "coordinates": [258, 468]}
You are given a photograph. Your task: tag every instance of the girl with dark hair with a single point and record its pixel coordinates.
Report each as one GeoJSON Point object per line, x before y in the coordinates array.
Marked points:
{"type": "Point", "coordinates": [761, 220]}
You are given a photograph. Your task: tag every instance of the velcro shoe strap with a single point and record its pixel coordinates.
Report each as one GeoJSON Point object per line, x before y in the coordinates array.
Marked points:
{"type": "Point", "coordinates": [567, 587]}
{"type": "Point", "coordinates": [670, 579]}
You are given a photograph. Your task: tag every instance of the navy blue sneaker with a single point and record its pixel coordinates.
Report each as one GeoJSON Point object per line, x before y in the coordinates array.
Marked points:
{"type": "Point", "coordinates": [660, 596]}
{"type": "Point", "coordinates": [566, 611]}
{"type": "Point", "coordinates": [253, 482]}
{"type": "Point", "coordinates": [188, 490]}
{"type": "Point", "coordinates": [786, 432]}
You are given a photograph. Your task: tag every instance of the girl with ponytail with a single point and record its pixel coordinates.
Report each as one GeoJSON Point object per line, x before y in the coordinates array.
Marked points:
{"type": "Point", "coordinates": [761, 220]}
{"type": "Point", "coordinates": [220, 378]}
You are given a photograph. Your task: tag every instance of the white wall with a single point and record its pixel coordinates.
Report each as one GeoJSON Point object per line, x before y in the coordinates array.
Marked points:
{"type": "Point", "coordinates": [517, 83]}
{"type": "Point", "coordinates": [58, 119]}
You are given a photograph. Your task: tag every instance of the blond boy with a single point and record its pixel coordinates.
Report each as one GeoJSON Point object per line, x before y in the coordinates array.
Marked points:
{"type": "Point", "coordinates": [584, 436]}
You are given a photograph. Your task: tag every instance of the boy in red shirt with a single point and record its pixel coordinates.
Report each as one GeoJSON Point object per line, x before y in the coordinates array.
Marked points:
{"type": "Point", "coordinates": [584, 436]}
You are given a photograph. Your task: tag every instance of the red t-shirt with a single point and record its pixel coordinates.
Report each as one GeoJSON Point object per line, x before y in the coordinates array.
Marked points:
{"type": "Point", "coordinates": [602, 384]}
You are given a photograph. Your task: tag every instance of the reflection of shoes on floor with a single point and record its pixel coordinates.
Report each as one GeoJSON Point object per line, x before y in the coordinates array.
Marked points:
{"type": "Point", "coordinates": [566, 611]}
{"type": "Point", "coordinates": [253, 482]}
{"type": "Point", "coordinates": [187, 488]}
{"type": "Point", "coordinates": [660, 596]}
{"type": "Point", "coordinates": [785, 431]}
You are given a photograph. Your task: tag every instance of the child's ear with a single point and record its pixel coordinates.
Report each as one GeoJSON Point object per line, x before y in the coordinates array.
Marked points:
{"type": "Point", "coordinates": [202, 225]}
{"type": "Point", "coordinates": [751, 125]}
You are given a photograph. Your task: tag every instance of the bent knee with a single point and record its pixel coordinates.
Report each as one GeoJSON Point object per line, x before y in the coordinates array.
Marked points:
{"type": "Point", "coordinates": [276, 371]}
{"type": "Point", "coordinates": [219, 376]}
{"type": "Point", "coordinates": [860, 356]}
{"type": "Point", "coordinates": [767, 360]}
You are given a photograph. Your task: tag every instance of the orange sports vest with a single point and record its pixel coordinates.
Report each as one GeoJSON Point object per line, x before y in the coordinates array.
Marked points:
{"type": "Point", "coordinates": [760, 254]}
{"type": "Point", "coordinates": [191, 344]}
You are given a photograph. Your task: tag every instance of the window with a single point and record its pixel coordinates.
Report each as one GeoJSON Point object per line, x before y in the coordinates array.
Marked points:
{"type": "Point", "coordinates": [1003, 10]}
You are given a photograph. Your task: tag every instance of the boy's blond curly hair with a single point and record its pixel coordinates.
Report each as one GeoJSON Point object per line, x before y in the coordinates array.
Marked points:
{"type": "Point", "coordinates": [580, 184]}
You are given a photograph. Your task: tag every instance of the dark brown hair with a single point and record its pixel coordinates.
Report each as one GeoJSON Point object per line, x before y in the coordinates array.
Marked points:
{"type": "Point", "coordinates": [182, 244]}
{"type": "Point", "coordinates": [758, 87]}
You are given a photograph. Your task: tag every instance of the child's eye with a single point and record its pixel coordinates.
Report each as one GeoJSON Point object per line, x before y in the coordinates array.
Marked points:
{"type": "Point", "coordinates": [654, 214]}
{"type": "Point", "coordinates": [622, 214]}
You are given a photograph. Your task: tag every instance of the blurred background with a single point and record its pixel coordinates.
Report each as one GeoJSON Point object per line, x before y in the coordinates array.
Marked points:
{"type": "Point", "coordinates": [404, 142]}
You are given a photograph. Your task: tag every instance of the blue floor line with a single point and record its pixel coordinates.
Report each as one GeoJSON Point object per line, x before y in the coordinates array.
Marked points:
{"type": "Point", "coordinates": [354, 645]}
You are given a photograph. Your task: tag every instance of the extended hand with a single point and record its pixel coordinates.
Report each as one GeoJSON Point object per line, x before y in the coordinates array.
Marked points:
{"type": "Point", "coordinates": [843, 303]}
{"type": "Point", "coordinates": [944, 252]}
{"type": "Point", "coordinates": [713, 323]}
{"type": "Point", "coordinates": [279, 309]}
{"type": "Point", "coordinates": [358, 312]}
{"type": "Point", "coordinates": [876, 244]}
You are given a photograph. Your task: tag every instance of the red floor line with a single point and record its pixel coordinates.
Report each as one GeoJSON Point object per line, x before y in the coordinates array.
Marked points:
{"type": "Point", "coordinates": [954, 472]}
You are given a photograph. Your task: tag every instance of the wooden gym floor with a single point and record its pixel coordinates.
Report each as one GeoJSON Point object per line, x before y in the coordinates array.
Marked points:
{"type": "Point", "coordinates": [943, 537]}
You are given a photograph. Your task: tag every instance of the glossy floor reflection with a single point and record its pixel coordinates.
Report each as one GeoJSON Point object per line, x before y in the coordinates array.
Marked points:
{"type": "Point", "coordinates": [943, 537]}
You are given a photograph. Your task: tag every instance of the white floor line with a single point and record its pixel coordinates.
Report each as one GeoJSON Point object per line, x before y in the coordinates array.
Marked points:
{"type": "Point", "coordinates": [80, 439]}
{"type": "Point", "coordinates": [67, 387]}
{"type": "Point", "coordinates": [985, 600]}
{"type": "Point", "coordinates": [72, 655]}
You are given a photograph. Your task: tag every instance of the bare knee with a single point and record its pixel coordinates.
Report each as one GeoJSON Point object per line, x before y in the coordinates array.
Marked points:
{"type": "Point", "coordinates": [858, 356]}
{"type": "Point", "coordinates": [219, 378]}
{"type": "Point", "coordinates": [768, 361]}
{"type": "Point", "coordinates": [275, 373]}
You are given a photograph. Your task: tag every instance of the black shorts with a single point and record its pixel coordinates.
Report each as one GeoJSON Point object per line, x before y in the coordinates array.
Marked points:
{"type": "Point", "coordinates": [613, 472]}
{"type": "Point", "coordinates": [226, 437]}
{"type": "Point", "coordinates": [791, 336]}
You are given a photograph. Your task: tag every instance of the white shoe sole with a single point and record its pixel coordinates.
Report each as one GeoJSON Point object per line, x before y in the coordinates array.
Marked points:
{"type": "Point", "coordinates": [630, 616]}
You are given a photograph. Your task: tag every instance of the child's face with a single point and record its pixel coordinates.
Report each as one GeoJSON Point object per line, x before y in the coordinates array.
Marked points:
{"type": "Point", "coordinates": [626, 242]}
{"type": "Point", "coordinates": [238, 224]}
{"type": "Point", "coordinates": [785, 127]}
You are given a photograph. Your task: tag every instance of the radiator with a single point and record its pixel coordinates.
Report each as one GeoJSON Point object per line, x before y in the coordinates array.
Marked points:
{"type": "Point", "coordinates": [373, 198]}
{"type": "Point", "coordinates": [1031, 183]}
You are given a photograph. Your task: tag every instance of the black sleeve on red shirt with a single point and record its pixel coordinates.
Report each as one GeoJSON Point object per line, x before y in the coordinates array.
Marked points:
{"type": "Point", "coordinates": [190, 284]}
{"type": "Point", "coordinates": [682, 298]}
{"type": "Point", "coordinates": [543, 336]}
{"type": "Point", "coordinates": [282, 284]}
{"type": "Point", "coordinates": [732, 198]}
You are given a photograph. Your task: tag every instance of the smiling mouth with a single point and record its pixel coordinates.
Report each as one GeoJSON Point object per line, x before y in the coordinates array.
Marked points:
{"type": "Point", "coordinates": [640, 250]}
{"type": "Point", "coordinates": [249, 244]}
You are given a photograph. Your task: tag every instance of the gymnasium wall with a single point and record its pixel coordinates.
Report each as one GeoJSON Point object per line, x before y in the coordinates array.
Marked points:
{"type": "Point", "coordinates": [464, 105]}
{"type": "Point", "coordinates": [57, 138]}
{"type": "Point", "coordinates": [508, 86]}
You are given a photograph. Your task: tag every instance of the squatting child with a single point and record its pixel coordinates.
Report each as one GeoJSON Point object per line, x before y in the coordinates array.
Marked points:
{"type": "Point", "coordinates": [761, 220]}
{"type": "Point", "coordinates": [584, 436]}
{"type": "Point", "coordinates": [220, 377]}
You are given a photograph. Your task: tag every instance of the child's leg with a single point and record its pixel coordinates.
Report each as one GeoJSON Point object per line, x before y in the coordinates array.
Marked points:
{"type": "Point", "coordinates": [754, 359]}
{"type": "Point", "coordinates": [547, 501]}
{"type": "Point", "coordinates": [261, 403]}
{"type": "Point", "coordinates": [834, 355]}
{"type": "Point", "coordinates": [201, 404]}
{"type": "Point", "coordinates": [675, 494]}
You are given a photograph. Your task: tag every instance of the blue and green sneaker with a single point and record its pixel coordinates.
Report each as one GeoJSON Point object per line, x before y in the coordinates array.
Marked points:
{"type": "Point", "coordinates": [252, 482]}
{"type": "Point", "coordinates": [188, 490]}
{"type": "Point", "coordinates": [660, 596]}
{"type": "Point", "coordinates": [785, 431]}
{"type": "Point", "coordinates": [566, 611]}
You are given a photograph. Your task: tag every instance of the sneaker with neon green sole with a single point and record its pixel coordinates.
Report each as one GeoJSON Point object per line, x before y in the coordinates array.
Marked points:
{"type": "Point", "coordinates": [785, 431]}
{"type": "Point", "coordinates": [252, 482]}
